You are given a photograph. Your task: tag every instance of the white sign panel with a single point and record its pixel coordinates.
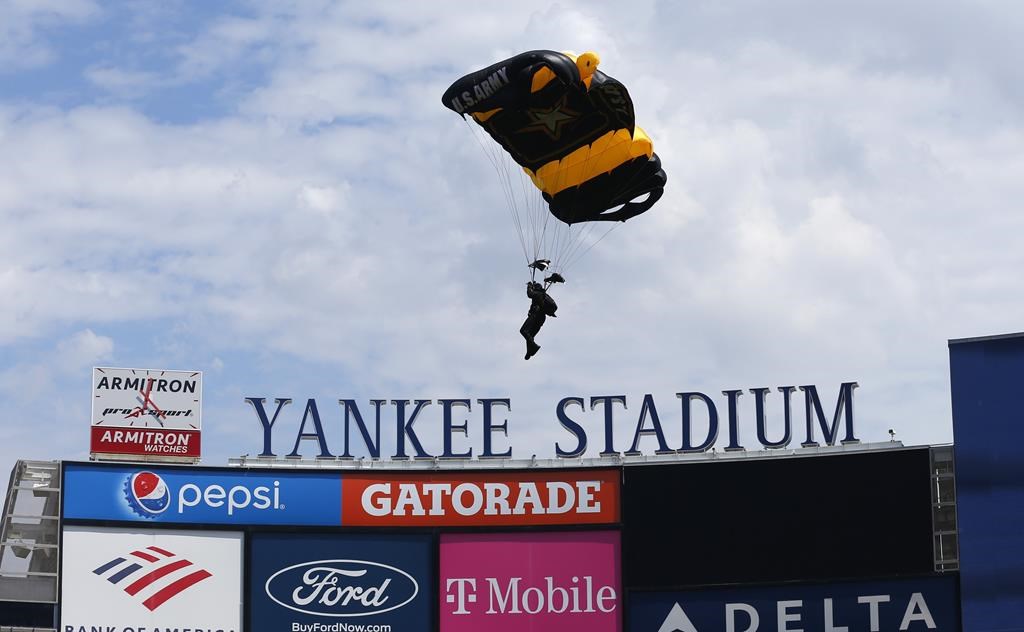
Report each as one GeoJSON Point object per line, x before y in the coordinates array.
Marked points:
{"type": "Point", "coordinates": [121, 580]}
{"type": "Point", "coordinates": [146, 414]}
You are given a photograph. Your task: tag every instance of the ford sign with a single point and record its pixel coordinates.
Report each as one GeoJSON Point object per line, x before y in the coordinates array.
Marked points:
{"type": "Point", "coordinates": [342, 588]}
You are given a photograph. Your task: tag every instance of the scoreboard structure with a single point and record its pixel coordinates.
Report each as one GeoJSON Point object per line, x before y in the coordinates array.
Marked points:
{"type": "Point", "coordinates": [834, 539]}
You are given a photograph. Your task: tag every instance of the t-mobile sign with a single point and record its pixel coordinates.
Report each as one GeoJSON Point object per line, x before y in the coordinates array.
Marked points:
{"type": "Point", "coordinates": [538, 582]}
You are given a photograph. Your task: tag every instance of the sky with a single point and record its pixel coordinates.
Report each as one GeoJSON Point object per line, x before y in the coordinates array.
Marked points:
{"type": "Point", "coordinates": [273, 194]}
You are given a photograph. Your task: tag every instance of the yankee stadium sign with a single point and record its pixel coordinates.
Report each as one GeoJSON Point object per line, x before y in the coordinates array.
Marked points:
{"type": "Point", "coordinates": [338, 429]}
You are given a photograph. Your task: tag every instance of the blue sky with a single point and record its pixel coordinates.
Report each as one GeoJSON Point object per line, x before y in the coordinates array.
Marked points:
{"type": "Point", "coordinates": [272, 193]}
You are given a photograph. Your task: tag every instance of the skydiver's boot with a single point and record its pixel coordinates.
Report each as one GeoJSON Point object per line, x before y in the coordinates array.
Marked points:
{"type": "Point", "coordinates": [531, 349]}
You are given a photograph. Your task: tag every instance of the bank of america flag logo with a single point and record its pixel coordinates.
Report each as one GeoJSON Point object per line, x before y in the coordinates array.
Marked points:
{"type": "Point", "coordinates": [152, 575]}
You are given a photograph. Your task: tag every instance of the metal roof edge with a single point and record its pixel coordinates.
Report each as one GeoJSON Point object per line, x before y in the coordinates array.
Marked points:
{"type": "Point", "coordinates": [438, 464]}
{"type": "Point", "coordinates": [959, 341]}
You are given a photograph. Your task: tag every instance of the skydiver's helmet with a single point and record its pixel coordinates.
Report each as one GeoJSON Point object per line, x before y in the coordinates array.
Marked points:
{"type": "Point", "coordinates": [536, 287]}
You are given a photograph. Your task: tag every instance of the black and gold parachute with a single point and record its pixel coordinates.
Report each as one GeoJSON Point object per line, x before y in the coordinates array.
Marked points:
{"type": "Point", "coordinates": [571, 128]}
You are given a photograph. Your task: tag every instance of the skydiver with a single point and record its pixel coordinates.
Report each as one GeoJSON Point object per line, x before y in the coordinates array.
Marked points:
{"type": "Point", "coordinates": [534, 318]}
{"type": "Point", "coordinates": [541, 306]}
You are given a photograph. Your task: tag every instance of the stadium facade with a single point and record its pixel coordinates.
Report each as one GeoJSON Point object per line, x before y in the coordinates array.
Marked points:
{"type": "Point", "coordinates": [840, 538]}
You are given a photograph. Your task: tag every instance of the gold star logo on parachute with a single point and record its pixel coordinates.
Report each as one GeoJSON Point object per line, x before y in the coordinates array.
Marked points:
{"type": "Point", "coordinates": [551, 120]}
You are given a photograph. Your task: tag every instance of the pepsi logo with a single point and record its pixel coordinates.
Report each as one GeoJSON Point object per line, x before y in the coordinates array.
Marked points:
{"type": "Point", "coordinates": [342, 588]}
{"type": "Point", "coordinates": [147, 494]}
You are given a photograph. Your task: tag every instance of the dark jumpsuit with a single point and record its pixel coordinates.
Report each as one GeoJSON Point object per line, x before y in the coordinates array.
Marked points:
{"type": "Point", "coordinates": [536, 317]}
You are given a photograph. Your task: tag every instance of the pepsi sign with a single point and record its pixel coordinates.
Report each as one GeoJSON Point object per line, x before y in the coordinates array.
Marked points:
{"type": "Point", "coordinates": [336, 581]}
{"type": "Point", "coordinates": [199, 496]}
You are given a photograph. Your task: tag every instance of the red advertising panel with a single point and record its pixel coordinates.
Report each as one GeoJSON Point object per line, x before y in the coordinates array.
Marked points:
{"type": "Point", "coordinates": [145, 441]}
{"type": "Point", "coordinates": [532, 582]}
{"type": "Point", "coordinates": [552, 497]}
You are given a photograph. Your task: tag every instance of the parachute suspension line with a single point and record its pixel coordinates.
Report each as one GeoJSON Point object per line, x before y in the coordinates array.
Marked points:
{"type": "Point", "coordinates": [553, 232]}
{"type": "Point", "coordinates": [574, 253]}
{"type": "Point", "coordinates": [577, 256]}
{"type": "Point", "coordinates": [564, 237]}
{"type": "Point", "coordinates": [529, 213]}
{"type": "Point", "coordinates": [576, 237]}
{"type": "Point", "coordinates": [579, 236]}
{"type": "Point", "coordinates": [545, 217]}
{"type": "Point", "coordinates": [532, 218]}
{"type": "Point", "coordinates": [538, 216]}
{"type": "Point", "coordinates": [498, 163]}
{"type": "Point", "coordinates": [532, 212]}
{"type": "Point", "coordinates": [504, 170]}
{"type": "Point", "coordinates": [580, 255]}
{"type": "Point", "coordinates": [564, 244]}
{"type": "Point", "coordinates": [568, 238]}
{"type": "Point", "coordinates": [510, 188]}
{"type": "Point", "coordinates": [536, 210]}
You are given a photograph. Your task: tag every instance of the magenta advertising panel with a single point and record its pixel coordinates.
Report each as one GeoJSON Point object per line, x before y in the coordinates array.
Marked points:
{"type": "Point", "coordinates": [533, 582]}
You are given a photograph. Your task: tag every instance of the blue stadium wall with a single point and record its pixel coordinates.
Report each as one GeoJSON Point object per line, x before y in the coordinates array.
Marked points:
{"type": "Point", "coordinates": [987, 382]}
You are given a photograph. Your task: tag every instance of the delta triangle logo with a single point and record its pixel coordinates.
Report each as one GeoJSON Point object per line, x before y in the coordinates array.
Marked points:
{"type": "Point", "coordinates": [677, 621]}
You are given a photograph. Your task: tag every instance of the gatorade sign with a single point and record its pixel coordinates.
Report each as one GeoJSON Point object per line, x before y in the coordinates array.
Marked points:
{"type": "Point", "coordinates": [481, 499]}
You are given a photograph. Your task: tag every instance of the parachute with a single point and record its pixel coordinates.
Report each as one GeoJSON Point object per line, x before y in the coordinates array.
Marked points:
{"type": "Point", "coordinates": [571, 129]}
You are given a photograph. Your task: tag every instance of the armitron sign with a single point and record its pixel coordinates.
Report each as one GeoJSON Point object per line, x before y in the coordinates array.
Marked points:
{"type": "Point", "coordinates": [146, 414]}
{"type": "Point", "coordinates": [481, 499]}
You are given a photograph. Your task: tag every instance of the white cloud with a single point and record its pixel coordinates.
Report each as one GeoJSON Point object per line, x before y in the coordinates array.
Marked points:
{"type": "Point", "coordinates": [72, 356]}
{"type": "Point", "coordinates": [44, 402]}
{"type": "Point", "coordinates": [23, 44]}
{"type": "Point", "coordinates": [124, 83]}
{"type": "Point", "coordinates": [84, 350]}
{"type": "Point", "coordinates": [832, 213]}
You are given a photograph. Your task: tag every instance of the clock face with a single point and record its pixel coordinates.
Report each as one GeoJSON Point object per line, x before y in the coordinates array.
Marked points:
{"type": "Point", "coordinates": [146, 398]}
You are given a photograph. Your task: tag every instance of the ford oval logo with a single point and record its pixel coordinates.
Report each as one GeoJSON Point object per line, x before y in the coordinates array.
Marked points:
{"type": "Point", "coordinates": [342, 588]}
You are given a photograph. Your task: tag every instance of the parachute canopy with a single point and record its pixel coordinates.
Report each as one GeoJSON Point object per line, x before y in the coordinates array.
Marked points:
{"type": "Point", "coordinates": [571, 128]}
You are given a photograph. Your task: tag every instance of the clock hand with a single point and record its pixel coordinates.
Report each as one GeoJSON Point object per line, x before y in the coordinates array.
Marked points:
{"type": "Point", "coordinates": [160, 415]}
